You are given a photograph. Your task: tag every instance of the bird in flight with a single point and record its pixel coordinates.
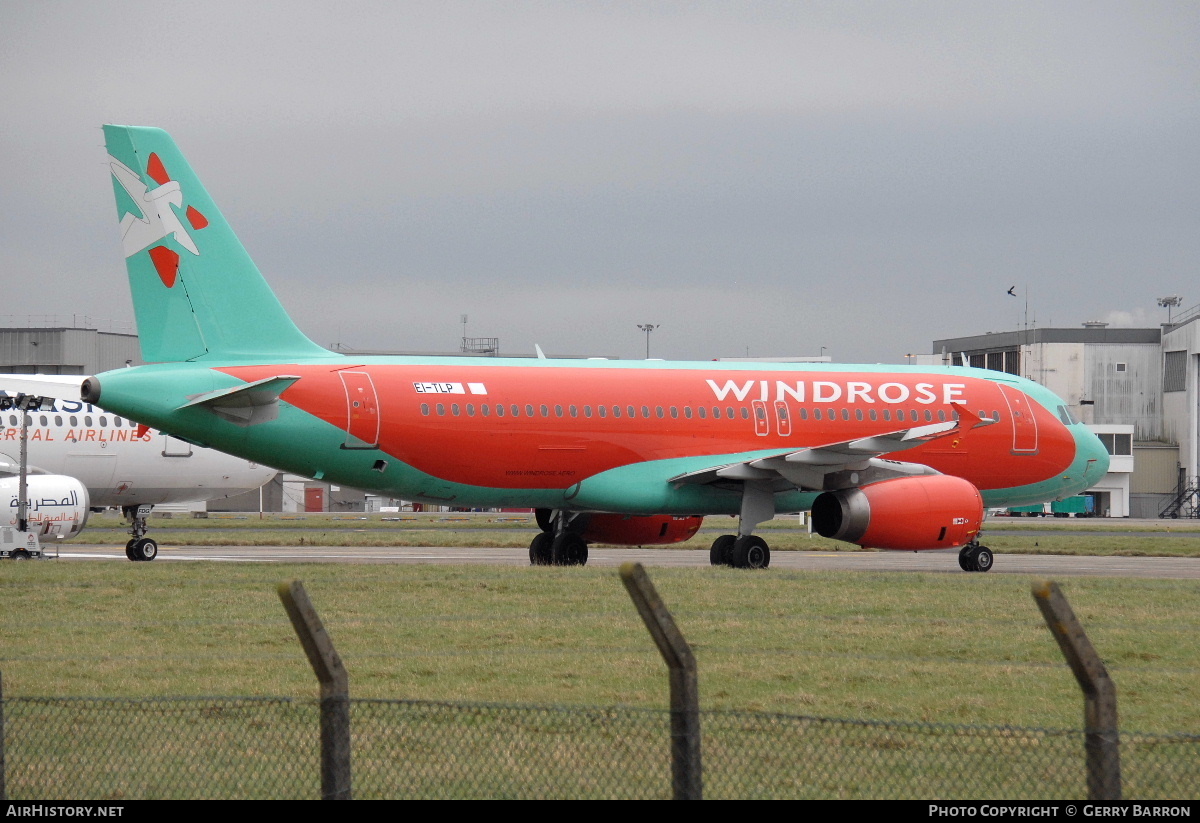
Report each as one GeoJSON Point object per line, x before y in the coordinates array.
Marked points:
{"type": "Point", "coordinates": [1013, 291]}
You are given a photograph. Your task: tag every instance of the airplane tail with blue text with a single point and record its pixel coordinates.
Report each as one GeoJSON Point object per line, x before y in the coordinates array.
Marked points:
{"type": "Point", "coordinates": [196, 292]}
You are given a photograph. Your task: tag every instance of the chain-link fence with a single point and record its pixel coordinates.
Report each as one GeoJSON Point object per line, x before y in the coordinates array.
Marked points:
{"type": "Point", "coordinates": [233, 748]}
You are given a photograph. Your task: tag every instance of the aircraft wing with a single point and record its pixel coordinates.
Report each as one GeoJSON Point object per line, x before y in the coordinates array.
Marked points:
{"type": "Point", "coordinates": [832, 466]}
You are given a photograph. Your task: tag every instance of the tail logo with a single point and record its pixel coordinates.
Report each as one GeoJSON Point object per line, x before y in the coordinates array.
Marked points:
{"type": "Point", "coordinates": [158, 219]}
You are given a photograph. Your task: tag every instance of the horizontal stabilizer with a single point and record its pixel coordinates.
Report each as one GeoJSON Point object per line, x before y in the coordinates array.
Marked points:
{"type": "Point", "coordinates": [246, 405]}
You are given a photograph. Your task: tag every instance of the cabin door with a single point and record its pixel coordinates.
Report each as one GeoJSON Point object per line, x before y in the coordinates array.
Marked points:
{"type": "Point", "coordinates": [362, 410]}
{"type": "Point", "coordinates": [1024, 425]}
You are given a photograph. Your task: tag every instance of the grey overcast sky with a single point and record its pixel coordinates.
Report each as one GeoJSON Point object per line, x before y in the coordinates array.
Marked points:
{"type": "Point", "coordinates": [756, 178]}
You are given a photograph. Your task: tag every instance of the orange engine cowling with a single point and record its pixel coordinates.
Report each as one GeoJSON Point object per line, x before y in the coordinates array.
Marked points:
{"type": "Point", "coordinates": [641, 530]}
{"type": "Point", "coordinates": [909, 513]}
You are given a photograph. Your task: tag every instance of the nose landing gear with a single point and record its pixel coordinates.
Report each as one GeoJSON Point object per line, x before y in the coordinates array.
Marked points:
{"type": "Point", "coordinates": [975, 558]}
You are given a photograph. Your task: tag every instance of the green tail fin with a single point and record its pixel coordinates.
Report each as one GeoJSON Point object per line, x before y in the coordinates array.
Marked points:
{"type": "Point", "coordinates": [196, 292]}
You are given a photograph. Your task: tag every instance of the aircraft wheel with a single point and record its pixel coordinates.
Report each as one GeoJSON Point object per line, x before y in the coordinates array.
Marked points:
{"type": "Point", "coordinates": [722, 547]}
{"type": "Point", "coordinates": [129, 550]}
{"type": "Point", "coordinates": [750, 552]}
{"type": "Point", "coordinates": [983, 559]}
{"type": "Point", "coordinates": [966, 560]}
{"type": "Point", "coordinates": [568, 550]}
{"type": "Point", "coordinates": [145, 549]}
{"type": "Point", "coordinates": [539, 549]}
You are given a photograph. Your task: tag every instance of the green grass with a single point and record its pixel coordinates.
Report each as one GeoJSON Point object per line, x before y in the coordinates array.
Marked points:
{"type": "Point", "coordinates": [969, 649]}
{"type": "Point", "coordinates": [1101, 537]}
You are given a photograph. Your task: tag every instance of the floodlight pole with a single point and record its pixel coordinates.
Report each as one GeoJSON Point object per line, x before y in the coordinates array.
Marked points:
{"type": "Point", "coordinates": [647, 328]}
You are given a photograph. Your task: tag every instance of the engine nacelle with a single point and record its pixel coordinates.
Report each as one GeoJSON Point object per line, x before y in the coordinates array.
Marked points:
{"type": "Point", "coordinates": [909, 513]}
{"type": "Point", "coordinates": [58, 505]}
{"type": "Point", "coordinates": [641, 530]}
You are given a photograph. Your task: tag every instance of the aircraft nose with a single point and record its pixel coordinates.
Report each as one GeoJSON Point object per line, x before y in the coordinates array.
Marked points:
{"type": "Point", "coordinates": [1091, 449]}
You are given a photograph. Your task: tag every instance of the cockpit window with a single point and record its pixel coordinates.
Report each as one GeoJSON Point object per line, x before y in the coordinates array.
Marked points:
{"type": "Point", "coordinates": [1064, 414]}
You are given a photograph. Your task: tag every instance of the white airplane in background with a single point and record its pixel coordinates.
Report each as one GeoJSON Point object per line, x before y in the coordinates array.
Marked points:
{"type": "Point", "coordinates": [118, 461]}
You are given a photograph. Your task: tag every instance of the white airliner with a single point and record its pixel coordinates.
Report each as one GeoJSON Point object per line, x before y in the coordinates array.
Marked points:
{"type": "Point", "coordinates": [121, 463]}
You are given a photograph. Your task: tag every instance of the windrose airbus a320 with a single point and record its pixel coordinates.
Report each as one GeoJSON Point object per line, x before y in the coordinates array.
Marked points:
{"type": "Point", "coordinates": [624, 452]}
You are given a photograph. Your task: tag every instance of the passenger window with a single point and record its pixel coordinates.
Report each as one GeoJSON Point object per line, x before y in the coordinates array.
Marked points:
{"type": "Point", "coordinates": [529, 410]}
{"type": "Point", "coordinates": [574, 412]}
{"type": "Point", "coordinates": [746, 413]}
{"type": "Point", "coordinates": [845, 414]}
{"type": "Point", "coordinates": [74, 421]}
{"type": "Point", "coordinates": [557, 411]}
{"type": "Point", "coordinates": [58, 420]}
{"type": "Point", "coordinates": [603, 410]}
{"type": "Point", "coordinates": [45, 422]}
{"type": "Point", "coordinates": [499, 409]}
{"type": "Point", "coordinates": [702, 412]}
{"type": "Point", "coordinates": [632, 411]}
{"type": "Point", "coordinates": [816, 414]}
{"type": "Point", "coordinates": [803, 413]}
{"type": "Point", "coordinates": [87, 421]}
{"type": "Point", "coordinates": [616, 411]}
{"type": "Point", "coordinates": [441, 409]}
{"type": "Point", "coordinates": [674, 412]}
{"type": "Point", "coordinates": [425, 409]}
{"type": "Point", "coordinates": [729, 412]}
{"type": "Point", "coordinates": [687, 412]}
{"type": "Point", "coordinates": [858, 415]}
{"type": "Point", "coordinates": [874, 414]}
{"type": "Point", "coordinates": [716, 412]}
{"type": "Point", "coordinates": [941, 415]}
{"type": "Point", "coordinates": [514, 410]}
{"type": "Point", "coordinates": [545, 411]}
{"type": "Point", "coordinates": [470, 410]}
{"type": "Point", "coordinates": [454, 409]}
{"type": "Point", "coordinates": [485, 409]}
{"type": "Point", "coordinates": [645, 412]}
{"type": "Point", "coordinates": [928, 416]}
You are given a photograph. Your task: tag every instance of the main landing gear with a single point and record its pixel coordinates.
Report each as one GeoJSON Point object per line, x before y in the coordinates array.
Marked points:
{"type": "Point", "coordinates": [747, 551]}
{"type": "Point", "coordinates": [139, 547]}
{"type": "Point", "coordinates": [556, 544]}
{"type": "Point", "coordinates": [975, 558]}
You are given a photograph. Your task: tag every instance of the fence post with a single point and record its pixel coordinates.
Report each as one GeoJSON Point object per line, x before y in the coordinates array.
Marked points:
{"type": "Point", "coordinates": [3, 768]}
{"type": "Point", "coordinates": [1102, 740]}
{"type": "Point", "coordinates": [335, 690]}
{"type": "Point", "coordinates": [686, 776]}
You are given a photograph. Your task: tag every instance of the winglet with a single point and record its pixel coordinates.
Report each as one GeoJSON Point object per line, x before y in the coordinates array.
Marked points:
{"type": "Point", "coordinates": [974, 420]}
